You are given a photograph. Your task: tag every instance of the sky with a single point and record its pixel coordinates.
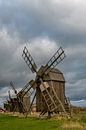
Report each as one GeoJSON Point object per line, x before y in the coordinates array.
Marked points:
{"type": "Point", "coordinates": [43, 26]}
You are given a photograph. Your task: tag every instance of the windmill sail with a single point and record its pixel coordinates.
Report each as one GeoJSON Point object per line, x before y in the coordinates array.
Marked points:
{"type": "Point", "coordinates": [13, 87]}
{"type": "Point", "coordinates": [29, 60]}
{"type": "Point", "coordinates": [55, 60]}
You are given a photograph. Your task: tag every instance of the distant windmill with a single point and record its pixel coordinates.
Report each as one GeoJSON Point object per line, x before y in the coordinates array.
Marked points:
{"type": "Point", "coordinates": [22, 99]}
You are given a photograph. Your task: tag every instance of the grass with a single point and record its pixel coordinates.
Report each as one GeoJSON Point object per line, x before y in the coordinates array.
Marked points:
{"type": "Point", "coordinates": [8, 122]}
{"type": "Point", "coordinates": [31, 123]}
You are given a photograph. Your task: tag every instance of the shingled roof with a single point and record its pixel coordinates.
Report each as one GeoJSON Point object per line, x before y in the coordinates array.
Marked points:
{"type": "Point", "coordinates": [54, 75]}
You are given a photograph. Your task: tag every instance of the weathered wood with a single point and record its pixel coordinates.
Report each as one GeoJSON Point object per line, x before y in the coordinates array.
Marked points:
{"type": "Point", "coordinates": [58, 84]}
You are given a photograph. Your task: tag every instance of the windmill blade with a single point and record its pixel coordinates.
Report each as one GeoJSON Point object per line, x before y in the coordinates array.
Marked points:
{"type": "Point", "coordinates": [32, 101]}
{"type": "Point", "coordinates": [29, 60]}
{"type": "Point", "coordinates": [29, 110]}
{"type": "Point", "coordinates": [55, 60]}
{"type": "Point", "coordinates": [9, 95]}
{"type": "Point", "coordinates": [12, 85]}
{"type": "Point", "coordinates": [21, 105]}
{"type": "Point", "coordinates": [28, 88]}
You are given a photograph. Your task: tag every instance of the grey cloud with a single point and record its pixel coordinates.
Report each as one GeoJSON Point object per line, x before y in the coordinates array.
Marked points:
{"type": "Point", "coordinates": [12, 64]}
{"type": "Point", "coordinates": [79, 103]}
{"type": "Point", "coordinates": [74, 68]}
{"type": "Point", "coordinates": [1, 102]}
{"type": "Point", "coordinates": [57, 20]}
{"type": "Point", "coordinates": [44, 25]}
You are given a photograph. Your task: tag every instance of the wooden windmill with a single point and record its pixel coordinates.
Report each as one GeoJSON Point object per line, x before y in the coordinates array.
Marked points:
{"type": "Point", "coordinates": [10, 104]}
{"type": "Point", "coordinates": [22, 99]}
{"type": "Point", "coordinates": [49, 84]}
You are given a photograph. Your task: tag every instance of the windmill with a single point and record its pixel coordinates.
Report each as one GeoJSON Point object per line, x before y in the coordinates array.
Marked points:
{"type": "Point", "coordinates": [9, 95]}
{"type": "Point", "coordinates": [9, 104]}
{"type": "Point", "coordinates": [22, 99]}
{"type": "Point", "coordinates": [49, 98]}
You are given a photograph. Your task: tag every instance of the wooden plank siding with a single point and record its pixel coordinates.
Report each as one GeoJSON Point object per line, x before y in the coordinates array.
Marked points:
{"type": "Point", "coordinates": [56, 80]}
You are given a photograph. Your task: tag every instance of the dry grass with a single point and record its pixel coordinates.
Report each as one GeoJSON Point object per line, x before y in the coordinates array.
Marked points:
{"type": "Point", "coordinates": [74, 125]}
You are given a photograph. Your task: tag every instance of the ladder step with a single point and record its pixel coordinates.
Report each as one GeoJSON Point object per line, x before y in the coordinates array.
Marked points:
{"type": "Point", "coordinates": [48, 100]}
{"type": "Point", "coordinates": [54, 109]}
{"type": "Point", "coordinates": [46, 96]}
{"type": "Point", "coordinates": [53, 102]}
{"type": "Point", "coordinates": [51, 105]}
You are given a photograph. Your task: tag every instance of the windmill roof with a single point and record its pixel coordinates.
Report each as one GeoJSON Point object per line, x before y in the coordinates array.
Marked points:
{"type": "Point", "coordinates": [54, 75]}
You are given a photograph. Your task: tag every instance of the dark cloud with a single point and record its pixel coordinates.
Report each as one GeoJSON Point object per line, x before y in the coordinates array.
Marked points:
{"type": "Point", "coordinates": [60, 20]}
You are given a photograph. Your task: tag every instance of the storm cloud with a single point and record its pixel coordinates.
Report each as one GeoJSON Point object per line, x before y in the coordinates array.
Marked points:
{"type": "Point", "coordinates": [43, 26]}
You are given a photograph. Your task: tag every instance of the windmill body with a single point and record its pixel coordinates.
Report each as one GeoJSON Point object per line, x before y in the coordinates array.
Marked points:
{"type": "Point", "coordinates": [56, 80]}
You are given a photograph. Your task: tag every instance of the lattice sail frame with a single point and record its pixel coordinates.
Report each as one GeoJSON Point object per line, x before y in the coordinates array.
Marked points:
{"type": "Point", "coordinates": [29, 60]}
{"type": "Point", "coordinates": [13, 87]}
{"type": "Point", "coordinates": [55, 60]}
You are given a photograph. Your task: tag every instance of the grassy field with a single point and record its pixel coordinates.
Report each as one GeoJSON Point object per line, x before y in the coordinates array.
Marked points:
{"type": "Point", "coordinates": [8, 122]}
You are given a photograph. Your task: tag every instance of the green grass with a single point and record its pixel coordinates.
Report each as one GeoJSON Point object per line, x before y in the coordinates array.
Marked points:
{"type": "Point", "coordinates": [7, 122]}
{"type": "Point", "coordinates": [20, 123]}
